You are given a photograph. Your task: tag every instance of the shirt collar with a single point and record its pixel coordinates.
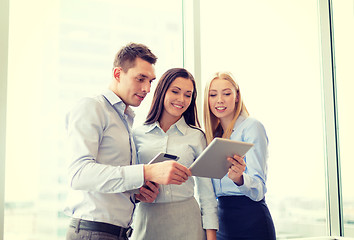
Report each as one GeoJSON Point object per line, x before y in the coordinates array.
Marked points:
{"type": "Point", "coordinates": [152, 127]}
{"type": "Point", "coordinates": [239, 120]}
{"type": "Point", "coordinates": [180, 125]}
{"type": "Point", "coordinates": [118, 103]}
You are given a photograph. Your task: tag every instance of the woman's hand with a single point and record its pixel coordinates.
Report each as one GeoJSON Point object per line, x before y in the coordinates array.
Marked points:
{"type": "Point", "coordinates": [236, 169]}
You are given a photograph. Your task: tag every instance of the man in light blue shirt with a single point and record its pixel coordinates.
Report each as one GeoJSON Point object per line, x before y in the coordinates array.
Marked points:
{"type": "Point", "coordinates": [102, 153]}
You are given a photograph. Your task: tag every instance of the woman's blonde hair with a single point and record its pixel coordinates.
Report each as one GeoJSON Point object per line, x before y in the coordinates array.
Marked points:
{"type": "Point", "coordinates": [211, 122]}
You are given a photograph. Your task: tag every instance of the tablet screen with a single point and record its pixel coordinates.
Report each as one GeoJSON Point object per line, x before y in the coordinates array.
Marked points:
{"type": "Point", "coordinates": [212, 162]}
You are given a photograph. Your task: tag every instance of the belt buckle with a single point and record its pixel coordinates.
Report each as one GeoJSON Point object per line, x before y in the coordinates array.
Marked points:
{"type": "Point", "coordinates": [77, 226]}
{"type": "Point", "coordinates": [129, 232]}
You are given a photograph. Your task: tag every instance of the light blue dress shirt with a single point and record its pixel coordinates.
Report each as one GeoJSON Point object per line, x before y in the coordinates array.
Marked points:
{"type": "Point", "coordinates": [101, 151]}
{"type": "Point", "coordinates": [250, 130]}
{"type": "Point", "coordinates": [187, 143]}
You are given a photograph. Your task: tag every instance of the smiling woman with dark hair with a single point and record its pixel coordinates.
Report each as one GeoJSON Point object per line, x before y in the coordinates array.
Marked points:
{"type": "Point", "coordinates": [172, 127]}
{"type": "Point", "coordinates": [157, 106]}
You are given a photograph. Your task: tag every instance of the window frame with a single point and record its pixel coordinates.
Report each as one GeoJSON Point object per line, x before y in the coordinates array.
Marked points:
{"type": "Point", "coordinates": [4, 36]}
{"type": "Point", "coordinates": [335, 226]}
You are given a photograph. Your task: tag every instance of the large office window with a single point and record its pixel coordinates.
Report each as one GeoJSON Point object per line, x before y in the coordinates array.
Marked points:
{"type": "Point", "coordinates": [343, 25]}
{"type": "Point", "coordinates": [60, 51]}
{"type": "Point", "coordinates": [272, 48]}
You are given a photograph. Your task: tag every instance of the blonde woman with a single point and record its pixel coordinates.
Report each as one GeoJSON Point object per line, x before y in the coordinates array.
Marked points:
{"type": "Point", "coordinates": [242, 211]}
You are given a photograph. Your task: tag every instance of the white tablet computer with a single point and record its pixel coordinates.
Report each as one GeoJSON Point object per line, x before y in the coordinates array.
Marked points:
{"type": "Point", "coordinates": [212, 162]}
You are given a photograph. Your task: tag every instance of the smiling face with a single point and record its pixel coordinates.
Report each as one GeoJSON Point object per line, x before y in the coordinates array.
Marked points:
{"type": "Point", "coordinates": [132, 86]}
{"type": "Point", "coordinates": [178, 98]}
{"type": "Point", "coordinates": [222, 100]}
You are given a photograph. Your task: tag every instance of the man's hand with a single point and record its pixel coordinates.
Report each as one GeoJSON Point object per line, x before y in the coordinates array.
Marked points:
{"type": "Point", "coordinates": [148, 192]}
{"type": "Point", "coordinates": [167, 172]}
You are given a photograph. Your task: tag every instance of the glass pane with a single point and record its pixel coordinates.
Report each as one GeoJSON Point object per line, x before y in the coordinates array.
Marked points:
{"type": "Point", "coordinates": [343, 23]}
{"type": "Point", "coordinates": [272, 48]}
{"type": "Point", "coordinates": [60, 51]}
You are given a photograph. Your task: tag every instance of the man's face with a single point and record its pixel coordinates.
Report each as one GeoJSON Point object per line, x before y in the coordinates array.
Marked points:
{"type": "Point", "coordinates": [135, 84]}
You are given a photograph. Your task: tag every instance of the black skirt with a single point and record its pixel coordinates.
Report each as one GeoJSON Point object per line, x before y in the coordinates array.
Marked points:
{"type": "Point", "coordinates": [242, 218]}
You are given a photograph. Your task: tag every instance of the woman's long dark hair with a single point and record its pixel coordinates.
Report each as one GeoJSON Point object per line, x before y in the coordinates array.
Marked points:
{"type": "Point", "coordinates": [157, 105]}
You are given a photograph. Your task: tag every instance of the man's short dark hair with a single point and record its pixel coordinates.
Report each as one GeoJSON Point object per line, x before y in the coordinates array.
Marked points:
{"type": "Point", "coordinates": [125, 58]}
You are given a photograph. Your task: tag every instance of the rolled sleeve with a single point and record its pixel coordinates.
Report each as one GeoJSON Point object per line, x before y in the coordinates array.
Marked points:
{"type": "Point", "coordinates": [208, 203]}
{"type": "Point", "coordinates": [252, 188]}
{"type": "Point", "coordinates": [256, 163]}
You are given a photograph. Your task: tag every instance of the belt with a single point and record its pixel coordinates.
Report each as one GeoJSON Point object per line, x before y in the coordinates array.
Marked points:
{"type": "Point", "coordinates": [80, 224]}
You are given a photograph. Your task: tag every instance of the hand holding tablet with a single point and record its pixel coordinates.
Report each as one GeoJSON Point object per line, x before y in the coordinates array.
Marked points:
{"type": "Point", "coordinates": [212, 162]}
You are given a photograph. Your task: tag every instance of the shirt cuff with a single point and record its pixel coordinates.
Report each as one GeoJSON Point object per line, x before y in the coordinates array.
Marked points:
{"type": "Point", "coordinates": [210, 221]}
{"type": "Point", "coordinates": [246, 182]}
{"type": "Point", "coordinates": [134, 176]}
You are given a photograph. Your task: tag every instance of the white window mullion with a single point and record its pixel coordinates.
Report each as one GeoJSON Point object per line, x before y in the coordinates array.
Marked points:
{"type": "Point", "coordinates": [4, 36]}
{"type": "Point", "coordinates": [333, 176]}
{"type": "Point", "coordinates": [191, 48]}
